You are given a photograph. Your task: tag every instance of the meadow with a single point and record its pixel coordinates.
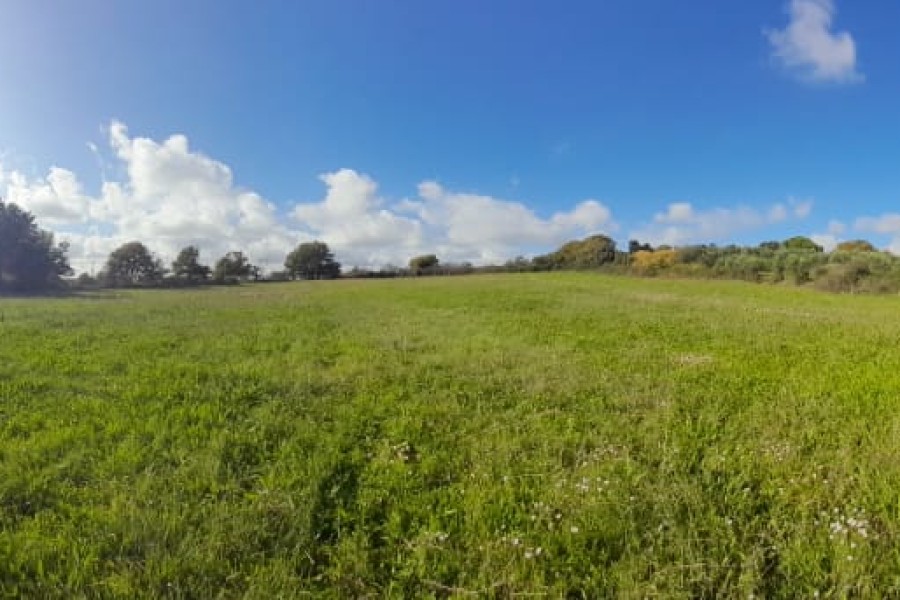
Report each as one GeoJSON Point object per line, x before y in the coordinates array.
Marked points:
{"type": "Point", "coordinates": [539, 435]}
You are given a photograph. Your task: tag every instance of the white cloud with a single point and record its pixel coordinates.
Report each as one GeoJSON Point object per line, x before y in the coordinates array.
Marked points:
{"type": "Point", "coordinates": [678, 212]}
{"type": "Point", "coordinates": [836, 227]}
{"type": "Point", "coordinates": [170, 195]}
{"type": "Point", "coordinates": [809, 47]}
{"type": "Point", "coordinates": [828, 241]}
{"type": "Point", "coordinates": [778, 213]}
{"type": "Point", "coordinates": [353, 220]}
{"type": "Point", "coordinates": [887, 224]}
{"type": "Point", "coordinates": [800, 208]}
{"type": "Point", "coordinates": [832, 237]}
{"type": "Point", "coordinates": [58, 198]}
{"type": "Point", "coordinates": [682, 224]}
{"type": "Point", "coordinates": [486, 229]}
{"type": "Point", "coordinates": [456, 226]}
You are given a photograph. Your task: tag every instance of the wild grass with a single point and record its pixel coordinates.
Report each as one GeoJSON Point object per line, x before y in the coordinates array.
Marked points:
{"type": "Point", "coordinates": [492, 436]}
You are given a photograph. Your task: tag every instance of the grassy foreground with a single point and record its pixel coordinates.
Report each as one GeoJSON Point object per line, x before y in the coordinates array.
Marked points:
{"type": "Point", "coordinates": [495, 436]}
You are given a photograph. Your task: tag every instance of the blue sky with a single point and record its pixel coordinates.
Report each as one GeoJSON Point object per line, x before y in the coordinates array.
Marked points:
{"type": "Point", "coordinates": [478, 130]}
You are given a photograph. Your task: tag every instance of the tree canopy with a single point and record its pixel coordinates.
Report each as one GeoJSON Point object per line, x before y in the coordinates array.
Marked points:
{"type": "Point", "coordinates": [421, 264]}
{"type": "Point", "coordinates": [30, 260]}
{"type": "Point", "coordinates": [187, 266]}
{"type": "Point", "coordinates": [132, 264]}
{"type": "Point", "coordinates": [312, 260]}
{"type": "Point", "coordinates": [801, 243]}
{"type": "Point", "coordinates": [234, 266]}
{"type": "Point", "coordinates": [594, 251]}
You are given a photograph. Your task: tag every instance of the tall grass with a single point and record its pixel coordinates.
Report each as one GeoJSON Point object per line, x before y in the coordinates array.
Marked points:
{"type": "Point", "coordinates": [557, 434]}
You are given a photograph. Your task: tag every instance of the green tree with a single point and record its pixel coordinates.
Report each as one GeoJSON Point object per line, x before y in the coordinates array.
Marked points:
{"type": "Point", "coordinates": [234, 266]}
{"type": "Point", "coordinates": [132, 264]}
{"type": "Point", "coordinates": [593, 251]}
{"type": "Point", "coordinates": [187, 266]}
{"type": "Point", "coordinates": [29, 258]}
{"type": "Point", "coordinates": [423, 264]}
{"type": "Point", "coordinates": [801, 243]}
{"type": "Point", "coordinates": [312, 260]}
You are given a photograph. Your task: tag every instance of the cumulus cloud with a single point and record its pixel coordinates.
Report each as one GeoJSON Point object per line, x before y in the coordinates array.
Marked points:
{"type": "Point", "coordinates": [456, 226]}
{"type": "Point", "coordinates": [170, 195]}
{"type": "Point", "coordinates": [682, 224]}
{"type": "Point", "coordinates": [887, 225]}
{"type": "Point", "coordinates": [58, 198]}
{"type": "Point", "coordinates": [809, 47]}
{"type": "Point", "coordinates": [354, 220]}
{"type": "Point", "coordinates": [491, 229]}
{"type": "Point", "coordinates": [832, 236]}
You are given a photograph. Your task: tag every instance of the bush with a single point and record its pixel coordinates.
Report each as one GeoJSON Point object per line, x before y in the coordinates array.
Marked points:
{"type": "Point", "coordinates": [648, 262]}
{"type": "Point", "coordinates": [842, 277]}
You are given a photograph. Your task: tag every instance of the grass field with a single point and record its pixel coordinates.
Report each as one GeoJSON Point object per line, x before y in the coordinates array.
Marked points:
{"type": "Point", "coordinates": [490, 436]}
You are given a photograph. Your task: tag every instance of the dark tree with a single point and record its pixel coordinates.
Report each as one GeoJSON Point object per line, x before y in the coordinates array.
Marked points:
{"type": "Point", "coordinates": [132, 264]}
{"type": "Point", "coordinates": [423, 264]}
{"type": "Point", "coordinates": [635, 246]}
{"type": "Point", "coordinates": [234, 266]}
{"type": "Point", "coordinates": [312, 260]}
{"type": "Point", "coordinates": [29, 258]}
{"type": "Point", "coordinates": [187, 266]}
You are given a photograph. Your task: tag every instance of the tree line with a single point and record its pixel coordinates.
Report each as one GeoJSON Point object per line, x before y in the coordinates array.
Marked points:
{"type": "Point", "coordinates": [31, 261]}
{"type": "Point", "coordinates": [134, 265]}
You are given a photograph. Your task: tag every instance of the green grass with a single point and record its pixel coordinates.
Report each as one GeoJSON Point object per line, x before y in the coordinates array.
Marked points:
{"type": "Point", "coordinates": [551, 434]}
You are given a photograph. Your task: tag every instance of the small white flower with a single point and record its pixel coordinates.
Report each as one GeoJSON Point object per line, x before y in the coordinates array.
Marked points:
{"type": "Point", "coordinates": [574, 529]}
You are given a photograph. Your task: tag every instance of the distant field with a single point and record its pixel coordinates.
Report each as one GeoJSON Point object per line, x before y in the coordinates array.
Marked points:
{"type": "Point", "coordinates": [493, 436]}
